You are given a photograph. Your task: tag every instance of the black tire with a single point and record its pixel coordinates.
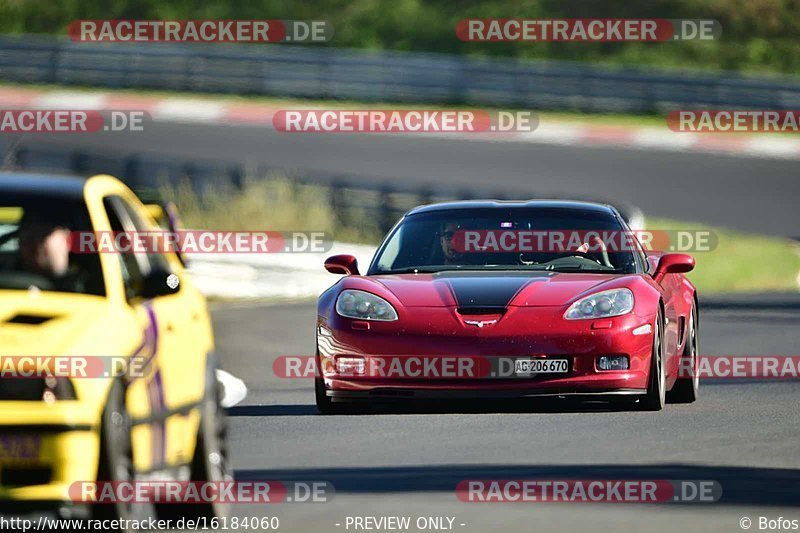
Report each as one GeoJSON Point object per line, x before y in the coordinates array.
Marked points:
{"type": "Point", "coordinates": [687, 389]}
{"type": "Point", "coordinates": [324, 404]}
{"type": "Point", "coordinates": [655, 397]}
{"type": "Point", "coordinates": [116, 459]}
{"type": "Point", "coordinates": [211, 461]}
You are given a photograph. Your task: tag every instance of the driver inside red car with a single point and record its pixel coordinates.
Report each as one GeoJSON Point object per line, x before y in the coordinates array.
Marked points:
{"type": "Point", "coordinates": [446, 235]}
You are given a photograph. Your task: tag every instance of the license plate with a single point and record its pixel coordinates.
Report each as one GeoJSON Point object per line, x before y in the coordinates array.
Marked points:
{"type": "Point", "coordinates": [16, 447]}
{"type": "Point", "coordinates": [541, 366]}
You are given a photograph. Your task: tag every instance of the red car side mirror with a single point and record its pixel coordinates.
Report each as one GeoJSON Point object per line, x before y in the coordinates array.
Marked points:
{"type": "Point", "coordinates": [342, 264]}
{"type": "Point", "coordinates": [674, 264]}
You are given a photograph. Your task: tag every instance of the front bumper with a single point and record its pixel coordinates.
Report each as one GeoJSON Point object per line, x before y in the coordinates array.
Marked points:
{"type": "Point", "coordinates": [47, 448]}
{"type": "Point", "coordinates": [526, 333]}
{"type": "Point", "coordinates": [395, 393]}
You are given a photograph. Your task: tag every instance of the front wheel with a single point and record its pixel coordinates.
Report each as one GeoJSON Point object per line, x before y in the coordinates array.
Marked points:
{"type": "Point", "coordinates": [116, 461]}
{"type": "Point", "coordinates": [324, 404]}
{"type": "Point", "coordinates": [655, 397]}
{"type": "Point", "coordinates": [687, 388]}
{"type": "Point", "coordinates": [211, 462]}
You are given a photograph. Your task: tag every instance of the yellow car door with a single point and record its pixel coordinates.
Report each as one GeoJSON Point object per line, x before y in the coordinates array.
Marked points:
{"type": "Point", "coordinates": [163, 401]}
{"type": "Point", "coordinates": [182, 326]}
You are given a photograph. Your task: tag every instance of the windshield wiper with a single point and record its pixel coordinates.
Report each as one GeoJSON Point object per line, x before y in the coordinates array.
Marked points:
{"type": "Point", "coordinates": [591, 270]}
{"type": "Point", "coordinates": [414, 270]}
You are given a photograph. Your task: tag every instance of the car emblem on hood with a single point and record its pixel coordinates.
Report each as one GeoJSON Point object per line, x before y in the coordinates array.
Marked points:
{"type": "Point", "coordinates": [481, 323]}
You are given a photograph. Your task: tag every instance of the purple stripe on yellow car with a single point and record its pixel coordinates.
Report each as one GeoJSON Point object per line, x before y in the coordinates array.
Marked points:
{"type": "Point", "coordinates": [155, 393]}
{"type": "Point", "coordinates": [162, 425]}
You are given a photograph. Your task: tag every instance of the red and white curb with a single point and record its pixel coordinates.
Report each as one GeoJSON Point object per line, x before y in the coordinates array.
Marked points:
{"type": "Point", "coordinates": [223, 112]}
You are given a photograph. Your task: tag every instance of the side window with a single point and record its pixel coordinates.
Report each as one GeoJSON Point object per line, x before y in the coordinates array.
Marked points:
{"type": "Point", "coordinates": [391, 251]}
{"type": "Point", "coordinates": [154, 260]}
{"type": "Point", "coordinates": [134, 266]}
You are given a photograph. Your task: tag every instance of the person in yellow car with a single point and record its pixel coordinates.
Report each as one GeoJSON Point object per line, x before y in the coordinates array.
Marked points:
{"type": "Point", "coordinates": [44, 246]}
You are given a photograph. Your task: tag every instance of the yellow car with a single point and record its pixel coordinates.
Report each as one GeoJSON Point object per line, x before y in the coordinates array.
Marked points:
{"type": "Point", "coordinates": [165, 422]}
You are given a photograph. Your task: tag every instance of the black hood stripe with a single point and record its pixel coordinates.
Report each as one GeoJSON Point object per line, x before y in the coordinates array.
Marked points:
{"type": "Point", "coordinates": [486, 291]}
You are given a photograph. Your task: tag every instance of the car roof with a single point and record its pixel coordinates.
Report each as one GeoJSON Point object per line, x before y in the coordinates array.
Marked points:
{"type": "Point", "coordinates": [513, 204]}
{"type": "Point", "coordinates": [45, 185]}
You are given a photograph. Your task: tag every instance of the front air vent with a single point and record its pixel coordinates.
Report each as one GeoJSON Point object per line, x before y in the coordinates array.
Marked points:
{"type": "Point", "coordinates": [24, 477]}
{"type": "Point", "coordinates": [481, 310]}
{"type": "Point", "coordinates": [24, 390]}
{"type": "Point", "coordinates": [29, 320]}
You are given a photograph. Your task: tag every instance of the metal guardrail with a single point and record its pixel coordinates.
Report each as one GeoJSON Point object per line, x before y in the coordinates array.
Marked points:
{"type": "Point", "coordinates": [323, 72]}
{"type": "Point", "coordinates": [384, 201]}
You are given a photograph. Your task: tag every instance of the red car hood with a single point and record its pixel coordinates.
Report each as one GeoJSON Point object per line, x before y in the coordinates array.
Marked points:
{"type": "Point", "coordinates": [489, 289]}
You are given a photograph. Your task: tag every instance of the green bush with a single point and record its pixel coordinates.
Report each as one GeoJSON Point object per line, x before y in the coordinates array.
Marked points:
{"type": "Point", "coordinates": [758, 35]}
{"type": "Point", "coordinates": [274, 203]}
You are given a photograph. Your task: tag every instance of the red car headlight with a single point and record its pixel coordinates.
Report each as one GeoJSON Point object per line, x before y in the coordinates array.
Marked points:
{"type": "Point", "coordinates": [364, 306]}
{"type": "Point", "coordinates": [603, 304]}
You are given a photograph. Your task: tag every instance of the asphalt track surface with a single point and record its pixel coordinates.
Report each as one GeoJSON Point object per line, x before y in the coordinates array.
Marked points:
{"type": "Point", "coordinates": [743, 434]}
{"type": "Point", "coordinates": [745, 193]}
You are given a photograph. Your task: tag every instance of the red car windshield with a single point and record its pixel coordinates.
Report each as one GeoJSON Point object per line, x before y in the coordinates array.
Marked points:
{"type": "Point", "coordinates": [546, 238]}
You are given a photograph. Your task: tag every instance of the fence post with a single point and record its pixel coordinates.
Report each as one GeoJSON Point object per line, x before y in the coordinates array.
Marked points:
{"type": "Point", "coordinates": [386, 216]}
{"type": "Point", "coordinates": [500, 195]}
{"type": "Point", "coordinates": [55, 57]}
{"type": "Point", "coordinates": [130, 170]}
{"type": "Point", "coordinates": [12, 159]}
{"type": "Point", "coordinates": [78, 162]}
{"type": "Point", "coordinates": [189, 172]}
{"type": "Point", "coordinates": [337, 187]}
{"type": "Point", "coordinates": [236, 175]}
{"type": "Point", "coordinates": [425, 196]}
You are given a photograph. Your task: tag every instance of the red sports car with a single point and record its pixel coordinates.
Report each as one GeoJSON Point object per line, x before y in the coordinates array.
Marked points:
{"type": "Point", "coordinates": [491, 299]}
